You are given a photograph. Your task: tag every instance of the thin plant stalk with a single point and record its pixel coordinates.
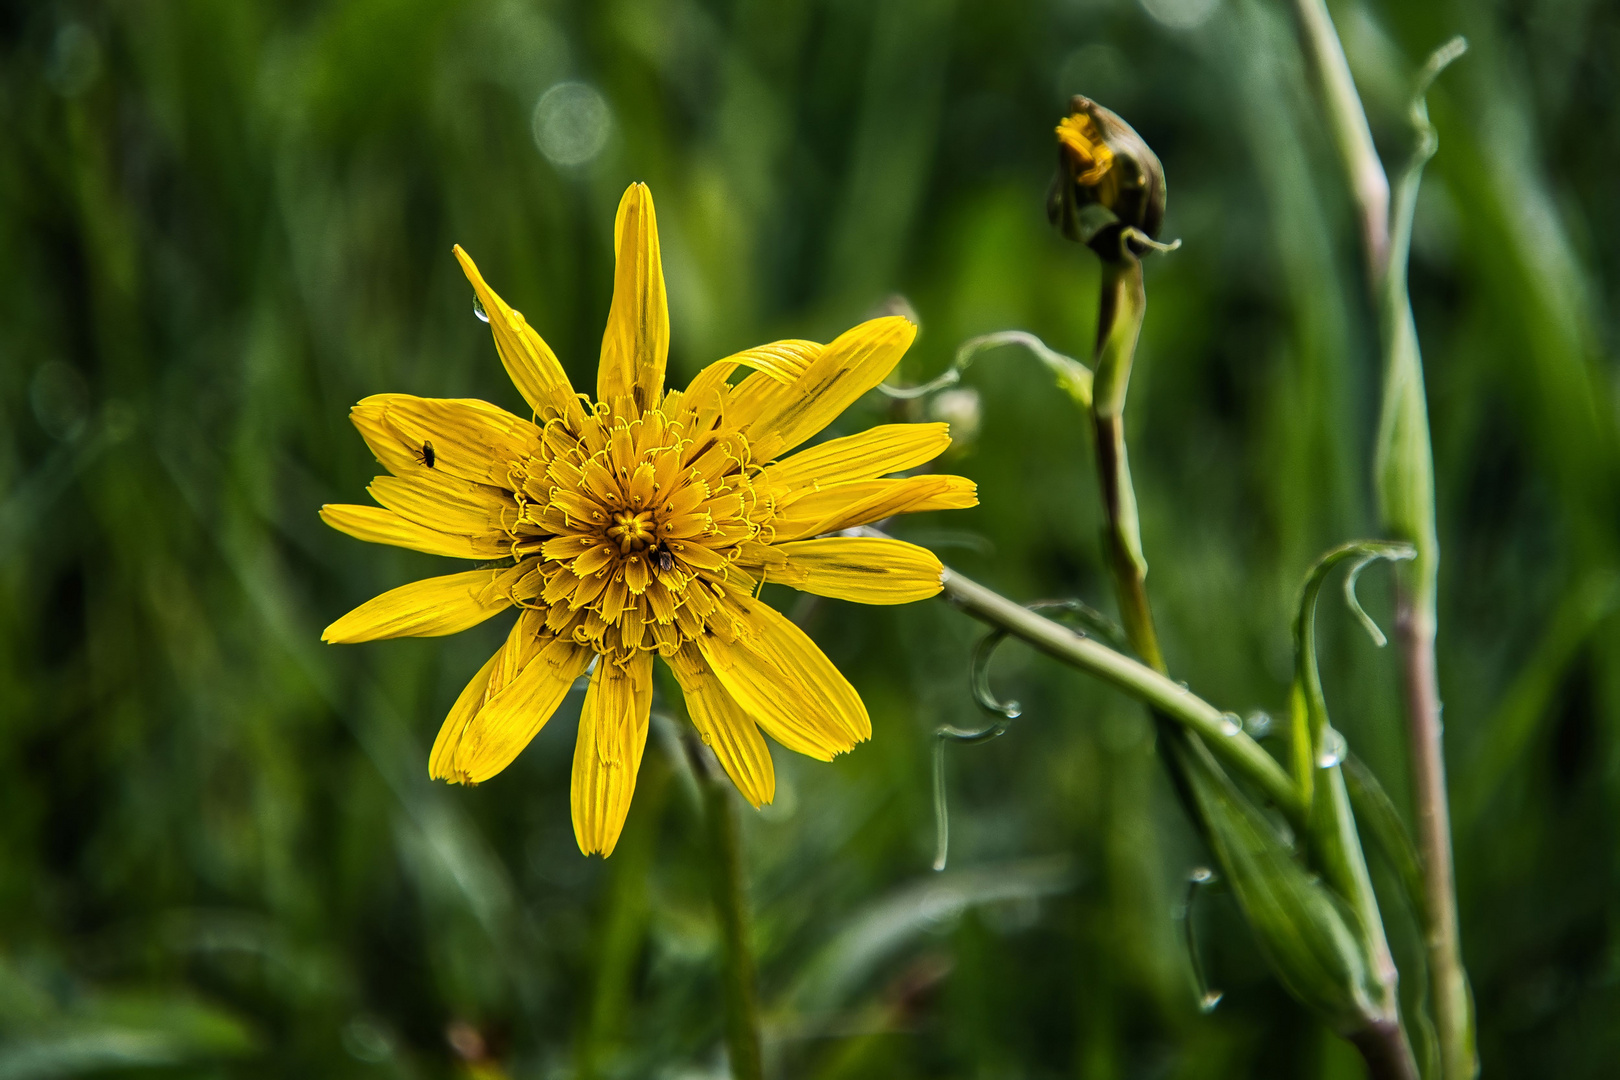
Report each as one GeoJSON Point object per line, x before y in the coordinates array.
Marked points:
{"type": "Point", "coordinates": [726, 882]}
{"type": "Point", "coordinates": [1383, 1046]}
{"type": "Point", "coordinates": [1123, 305]}
{"type": "Point", "coordinates": [1235, 749]}
{"type": "Point", "coordinates": [1347, 124]}
{"type": "Point", "coordinates": [1405, 480]}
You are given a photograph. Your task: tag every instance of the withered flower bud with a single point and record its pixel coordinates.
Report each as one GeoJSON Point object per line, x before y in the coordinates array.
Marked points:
{"type": "Point", "coordinates": [1109, 190]}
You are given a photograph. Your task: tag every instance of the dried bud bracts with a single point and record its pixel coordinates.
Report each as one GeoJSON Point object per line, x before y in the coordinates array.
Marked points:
{"type": "Point", "coordinates": [1109, 190]}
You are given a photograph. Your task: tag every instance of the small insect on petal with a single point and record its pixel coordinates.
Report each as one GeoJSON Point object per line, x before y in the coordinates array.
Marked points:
{"type": "Point", "coordinates": [424, 456]}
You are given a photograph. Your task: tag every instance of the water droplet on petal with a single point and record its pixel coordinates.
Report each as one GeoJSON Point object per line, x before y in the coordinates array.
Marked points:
{"type": "Point", "coordinates": [478, 310]}
{"type": "Point", "coordinates": [1258, 724]}
{"type": "Point", "coordinates": [1332, 750]}
{"type": "Point", "coordinates": [1230, 724]}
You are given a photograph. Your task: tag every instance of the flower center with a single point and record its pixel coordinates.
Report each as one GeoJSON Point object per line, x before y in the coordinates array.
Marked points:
{"type": "Point", "coordinates": [634, 527]}
{"type": "Point", "coordinates": [632, 531]}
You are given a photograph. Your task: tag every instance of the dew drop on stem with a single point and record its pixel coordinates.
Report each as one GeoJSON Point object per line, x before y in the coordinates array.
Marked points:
{"type": "Point", "coordinates": [1332, 750]}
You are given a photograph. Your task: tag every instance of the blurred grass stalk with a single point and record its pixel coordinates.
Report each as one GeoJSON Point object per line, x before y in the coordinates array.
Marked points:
{"type": "Point", "coordinates": [1404, 477]}
{"type": "Point", "coordinates": [726, 882]}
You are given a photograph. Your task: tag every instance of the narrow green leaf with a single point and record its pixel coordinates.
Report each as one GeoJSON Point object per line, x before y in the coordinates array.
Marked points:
{"type": "Point", "coordinates": [1311, 937]}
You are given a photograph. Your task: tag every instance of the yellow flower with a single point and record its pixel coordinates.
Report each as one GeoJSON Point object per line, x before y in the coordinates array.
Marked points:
{"type": "Point", "coordinates": [645, 524]}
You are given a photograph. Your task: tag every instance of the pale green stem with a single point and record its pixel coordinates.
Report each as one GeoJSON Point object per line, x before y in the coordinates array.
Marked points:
{"type": "Point", "coordinates": [1123, 305]}
{"type": "Point", "coordinates": [1405, 477]}
{"type": "Point", "coordinates": [1347, 123]}
{"type": "Point", "coordinates": [1225, 738]}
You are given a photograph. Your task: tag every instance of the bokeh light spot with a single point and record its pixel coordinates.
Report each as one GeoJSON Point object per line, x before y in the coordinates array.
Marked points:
{"type": "Point", "coordinates": [1181, 14]}
{"type": "Point", "coordinates": [571, 123]}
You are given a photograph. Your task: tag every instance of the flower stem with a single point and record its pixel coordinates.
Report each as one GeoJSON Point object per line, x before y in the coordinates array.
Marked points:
{"type": "Point", "coordinates": [1235, 749]}
{"type": "Point", "coordinates": [731, 909]}
{"type": "Point", "coordinates": [1405, 477]}
{"type": "Point", "coordinates": [1347, 122]}
{"type": "Point", "coordinates": [1123, 304]}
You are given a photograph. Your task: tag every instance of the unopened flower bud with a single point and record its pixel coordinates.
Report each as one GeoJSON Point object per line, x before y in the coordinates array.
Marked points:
{"type": "Point", "coordinates": [1109, 190]}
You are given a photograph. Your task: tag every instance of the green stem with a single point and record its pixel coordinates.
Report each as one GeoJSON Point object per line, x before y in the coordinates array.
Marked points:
{"type": "Point", "coordinates": [1153, 688]}
{"type": "Point", "coordinates": [1123, 305]}
{"type": "Point", "coordinates": [1405, 477]}
{"type": "Point", "coordinates": [731, 909]}
{"type": "Point", "coordinates": [1347, 122]}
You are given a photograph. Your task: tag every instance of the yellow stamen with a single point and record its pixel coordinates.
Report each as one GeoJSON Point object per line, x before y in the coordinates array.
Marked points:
{"type": "Point", "coordinates": [632, 531]}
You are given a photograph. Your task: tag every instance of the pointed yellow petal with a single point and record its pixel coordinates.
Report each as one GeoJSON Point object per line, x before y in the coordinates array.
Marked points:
{"type": "Point", "coordinates": [712, 378]}
{"type": "Point", "coordinates": [636, 343]}
{"type": "Point", "coordinates": [529, 361]}
{"type": "Point", "coordinates": [461, 437]}
{"type": "Point", "coordinates": [845, 506]}
{"type": "Point", "coordinates": [379, 525]}
{"type": "Point", "coordinates": [446, 503]}
{"type": "Point", "coordinates": [866, 570]}
{"type": "Point", "coordinates": [466, 707]}
{"type": "Point", "coordinates": [785, 414]}
{"type": "Point", "coordinates": [515, 713]}
{"type": "Point", "coordinates": [607, 756]}
{"type": "Point", "coordinates": [428, 608]}
{"type": "Point", "coordinates": [780, 678]}
{"type": "Point", "coordinates": [728, 731]}
{"type": "Point", "coordinates": [783, 361]}
{"type": "Point", "coordinates": [888, 448]}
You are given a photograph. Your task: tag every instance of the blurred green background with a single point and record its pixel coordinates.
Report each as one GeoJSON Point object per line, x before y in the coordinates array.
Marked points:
{"type": "Point", "coordinates": [224, 221]}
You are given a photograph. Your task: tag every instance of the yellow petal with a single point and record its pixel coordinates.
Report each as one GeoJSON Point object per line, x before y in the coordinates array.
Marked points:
{"type": "Point", "coordinates": [612, 736]}
{"type": "Point", "coordinates": [428, 608]}
{"type": "Point", "coordinates": [728, 731]}
{"type": "Point", "coordinates": [466, 707]}
{"type": "Point", "coordinates": [780, 678]}
{"type": "Point", "coordinates": [845, 506]}
{"type": "Point", "coordinates": [522, 642]}
{"type": "Point", "coordinates": [783, 361]}
{"type": "Point", "coordinates": [866, 570]}
{"type": "Point", "coordinates": [515, 713]}
{"type": "Point", "coordinates": [711, 379]}
{"type": "Point", "coordinates": [463, 437]}
{"type": "Point", "coordinates": [636, 343]}
{"type": "Point", "coordinates": [529, 361]}
{"type": "Point", "coordinates": [888, 448]}
{"type": "Point", "coordinates": [786, 414]}
{"type": "Point", "coordinates": [446, 503]}
{"type": "Point", "coordinates": [379, 525]}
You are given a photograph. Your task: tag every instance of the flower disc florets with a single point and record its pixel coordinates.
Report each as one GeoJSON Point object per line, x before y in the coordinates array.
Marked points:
{"type": "Point", "coordinates": [630, 518]}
